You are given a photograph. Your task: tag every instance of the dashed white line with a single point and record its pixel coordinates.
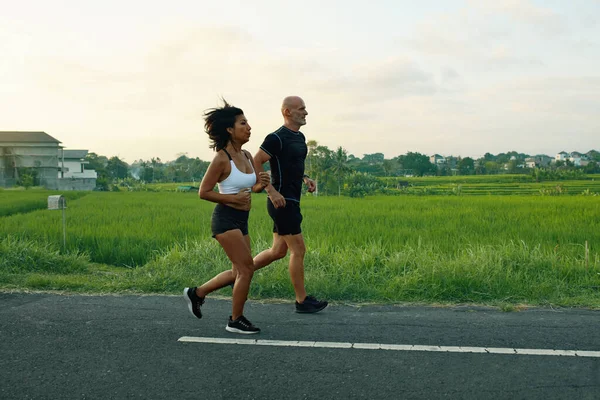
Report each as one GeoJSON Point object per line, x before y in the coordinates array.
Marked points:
{"type": "Point", "coordinates": [393, 347]}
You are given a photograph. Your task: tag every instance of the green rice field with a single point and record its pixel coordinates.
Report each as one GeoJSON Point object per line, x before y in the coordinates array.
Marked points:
{"type": "Point", "coordinates": [493, 249]}
{"type": "Point", "coordinates": [495, 185]}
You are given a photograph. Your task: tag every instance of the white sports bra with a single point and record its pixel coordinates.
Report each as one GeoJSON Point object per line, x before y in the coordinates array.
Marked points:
{"type": "Point", "coordinates": [237, 180]}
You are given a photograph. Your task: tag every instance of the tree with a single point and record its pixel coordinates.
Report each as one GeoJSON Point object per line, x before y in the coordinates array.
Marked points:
{"type": "Point", "coordinates": [480, 167]}
{"type": "Point", "coordinates": [181, 158]}
{"type": "Point", "coordinates": [492, 167]}
{"type": "Point", "coordinates": [489, 157]}
{"type": "Point", "coordinates": [389, 167]}
{"type": "Point", "coordinates": [27, 177]}
{"type": "Point", "coordinates": [116, 168]}
{"type": "Point", "coordinates": [466, 166]}
{"type": "Point", "coordinates": [418, 163]}
{"type": "Point", "coordinates": [26, 181]}
{"type": "Point", "coordinates": [156, 163]}
{"type": "Point", "coordinates": [312, 146]}
{"type": "Point", "coordinates": [339, 166]}
{"type": "Point", "coordinates": [145, 171]}
{"type": "Point", "coordinates": [321, 163]}
{"type": "Point", "coordinates": [375, 158]}
{"type": "Point", "coordinates": [97, 163]}
{"type": "Point", "coordinates": [593, 155]}
{"type": "Point", "coordinates": [360, 184]}
{"type": "Point", "coordinates": [592, 168]}
{"type": "Point", "coordinates": [512, 167]}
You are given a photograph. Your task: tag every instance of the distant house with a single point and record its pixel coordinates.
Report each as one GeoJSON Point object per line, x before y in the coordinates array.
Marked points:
{"type": "Point", "coordinates": [38, 152]}
{"type": "Point", "coordinates": [72, 171]}
{"type": "Point", "coordinates": [437, 160]}
{"type": "Point", "coordinates": [578, 159]}
{"type": "Point", "coordinates": [530, 162]}
{"type": "Point", "coordinates": [543, 160]}
{"type": "Point", "coordinates": [20, 151]}
{"type": "Point", "coordinates": [538, 161]}
{"type": "Point", "coordinates": [562, 156]}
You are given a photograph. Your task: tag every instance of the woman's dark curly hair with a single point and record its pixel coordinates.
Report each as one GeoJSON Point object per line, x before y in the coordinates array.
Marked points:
{"type": "Point", "coordinates": [216, 122]}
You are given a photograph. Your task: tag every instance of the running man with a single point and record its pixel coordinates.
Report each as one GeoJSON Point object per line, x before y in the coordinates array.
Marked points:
{"type": "Point", "coordinates": [285, 150]}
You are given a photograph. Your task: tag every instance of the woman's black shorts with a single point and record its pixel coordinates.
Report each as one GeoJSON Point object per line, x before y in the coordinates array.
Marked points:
{"type": "Point", "coordinates": [286, 220]}
{"type": "Point", "coordinates": [225, 218]}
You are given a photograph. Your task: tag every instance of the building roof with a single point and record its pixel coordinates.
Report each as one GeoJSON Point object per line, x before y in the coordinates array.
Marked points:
{"type": "Point", "coordinates": [26, 137]}
{"type": "Point", "coordinates": [78, 154]}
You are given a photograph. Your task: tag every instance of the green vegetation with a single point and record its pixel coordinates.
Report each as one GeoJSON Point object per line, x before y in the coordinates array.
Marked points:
{"type": "Point", "coordinates": [491, 185]}
{"type": "Point", "coordinates": [485, 249]}
{"type": "Point", "coordinates": [340, 173]}
{"type": "Point", "coordinates": [118, 228]}
{"type": "Point", "coordinates": [16, 201]}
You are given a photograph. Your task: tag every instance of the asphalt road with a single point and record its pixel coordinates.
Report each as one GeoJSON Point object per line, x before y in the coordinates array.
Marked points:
{"type": "Point", "coordinates": [121, 347]}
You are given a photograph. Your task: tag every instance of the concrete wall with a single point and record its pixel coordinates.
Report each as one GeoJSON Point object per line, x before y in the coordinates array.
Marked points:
{"type": "Point", "coordinates": [42, 157]}
{"type": "Point", "coordinates": [76, 184]}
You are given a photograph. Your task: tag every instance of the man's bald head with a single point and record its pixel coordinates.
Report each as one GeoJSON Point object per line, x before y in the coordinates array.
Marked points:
{"type": "Point", "coordinates": [291, 102]}
{"type": "Point", "coordinates": [294, 112]}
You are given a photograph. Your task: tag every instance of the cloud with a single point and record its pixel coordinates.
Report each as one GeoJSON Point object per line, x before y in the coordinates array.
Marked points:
{"type": "Point", "coordinates": [460, 82]}
{"type": "Point", "coordinates": [447, 34]}
{"type": "Point", "coordinates": [524, 11]}
{"type": "Point", "coordinates": [485, 41]}
{"type": "Point", "coordinates": [502, 57]}
{"type": "Point", "coordinates": [380, 80]}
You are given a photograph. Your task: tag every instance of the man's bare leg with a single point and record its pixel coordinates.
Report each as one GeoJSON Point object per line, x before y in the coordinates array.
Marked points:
{"type": "Point", "coordinates": [281, 244]}
{"type": "Point", "coordinates": [277, 251]}
{"type": "Point", "coordinates": [297, 250]}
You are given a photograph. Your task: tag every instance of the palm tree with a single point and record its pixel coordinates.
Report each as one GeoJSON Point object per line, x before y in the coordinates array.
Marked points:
{"type": "Point", "coordinates": [340, 166]}
{"type": "Point", "coordinates": [312, 146]}
{"type": "Point", "coordinates": [322, 159]}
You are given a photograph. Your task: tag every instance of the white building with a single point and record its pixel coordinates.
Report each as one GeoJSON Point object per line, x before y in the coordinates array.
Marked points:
{"type": "Point", "coordinates": [541, 160]}
{"type": "Point", "coordinates": [562, 156]}
{"type": "Point", "coordinates": [23, 152]}
{"type": "Point", "coordinates": [530, 162]}
{"type": "Point", "coordinates": [72, 173]}
{"type": "Point", "coordinates": [43, 156]}
{"type": "Point", "coordinates": [72, 165]}
{"type": "Point", "coordinates": [578, 159]}
{"type": "Point", "coordinates": [437, 160]}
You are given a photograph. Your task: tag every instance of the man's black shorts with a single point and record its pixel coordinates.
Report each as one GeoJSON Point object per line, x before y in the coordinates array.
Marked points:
{"type": "Point", "coordinates": [225, 218]}
{"type": "Point", "coordinates": [286, 220]}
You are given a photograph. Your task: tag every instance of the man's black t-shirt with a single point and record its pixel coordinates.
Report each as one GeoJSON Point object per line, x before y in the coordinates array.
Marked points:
{"type": "Point", "coordinates": [288, 151]}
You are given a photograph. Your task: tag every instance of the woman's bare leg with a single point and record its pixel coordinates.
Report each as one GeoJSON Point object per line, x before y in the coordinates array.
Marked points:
{"type": "Point", "coordinates": [237, 248]}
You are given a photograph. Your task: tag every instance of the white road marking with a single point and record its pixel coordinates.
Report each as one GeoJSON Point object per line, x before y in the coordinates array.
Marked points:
{"type": "Point", "coordinates": [396, 347]}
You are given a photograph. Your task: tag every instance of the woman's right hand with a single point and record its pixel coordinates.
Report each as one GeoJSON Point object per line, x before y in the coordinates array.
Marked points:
{"type": "Point", "coordinates": [241, 200]}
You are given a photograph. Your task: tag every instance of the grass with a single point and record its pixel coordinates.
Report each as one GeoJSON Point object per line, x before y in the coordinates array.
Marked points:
{"type": "Point", "coordinates": [499, 250]}
{"type": "Point", "coordinates": [15, 201]}
{"type": "Point", "coordinates": [506, 276]}
{"type": "Point", "coordinates": [483, 185]}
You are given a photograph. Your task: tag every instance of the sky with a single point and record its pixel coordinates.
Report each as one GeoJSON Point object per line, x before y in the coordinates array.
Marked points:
{"type": "Point", "coordinates": [132, 78]}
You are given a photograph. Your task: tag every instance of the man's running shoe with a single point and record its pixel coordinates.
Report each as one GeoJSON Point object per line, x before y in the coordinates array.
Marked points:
{"type": "Point", "coordinates": [241, 325]}
{"type": "Point", "coordinates": [194, 302]}
{"type": "Point", "coordinates": [310, 305]}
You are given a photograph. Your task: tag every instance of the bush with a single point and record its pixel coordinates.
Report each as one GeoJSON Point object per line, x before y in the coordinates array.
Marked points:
{"type": "Point", "coordinates": [361, 184]}
{"type": "Point", "coordinates": [19, 255]}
